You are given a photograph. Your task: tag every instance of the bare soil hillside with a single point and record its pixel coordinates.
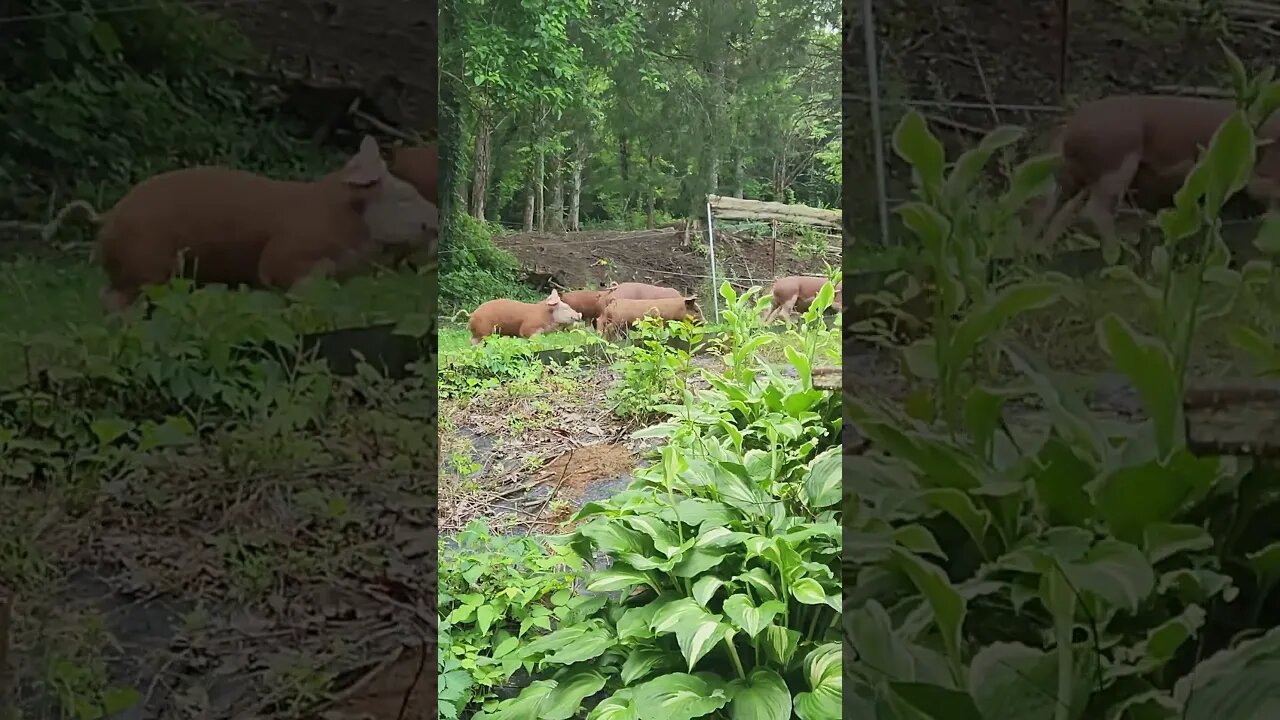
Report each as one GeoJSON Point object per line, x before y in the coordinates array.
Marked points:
{"type": "Point", "coordinates": [593, 258]}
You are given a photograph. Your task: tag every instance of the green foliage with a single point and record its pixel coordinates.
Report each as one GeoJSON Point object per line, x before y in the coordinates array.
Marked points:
{"type": "Point", "coordinates": [471, 370]}
{"type": "Point", "coordinates": [653, 366]}
{"type": "Point", "coordinates": [473, 269]}
{"type": "Point", "coordinates": [724, 551]}
{"type": "Point", "coordinates": [1090, 570]}
{"type": "Point", "coordinates": [496, 595]}
{"type": "Point", "coordinates": [599, 86]}
{"type": "Point", "coordinates": [92, 102]}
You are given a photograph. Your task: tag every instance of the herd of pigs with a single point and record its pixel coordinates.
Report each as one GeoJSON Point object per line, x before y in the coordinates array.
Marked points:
{"type": "Point", "coordinates": [614, 309]}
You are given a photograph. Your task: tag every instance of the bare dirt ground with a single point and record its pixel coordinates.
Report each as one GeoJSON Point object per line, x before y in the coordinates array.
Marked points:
{"type": "Point", "coordinates": [660, 256]}
{"type": "Point", "coordinates": [386, 47]}
{"type": "Point", "coordinates": [527, 456]}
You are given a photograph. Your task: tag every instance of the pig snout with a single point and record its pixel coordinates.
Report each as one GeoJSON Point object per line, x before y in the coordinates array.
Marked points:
{"type": "Point", "coordinates": [564, 314]}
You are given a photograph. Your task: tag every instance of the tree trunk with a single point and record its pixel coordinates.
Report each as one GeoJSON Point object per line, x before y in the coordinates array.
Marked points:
{"type": "Point", "coordinates": [539, 184]}
{"type": "Point", "coordinates": [739, 174]}
{"type": "Point", "coordinates": [575, 197]}
{"type": "Point", "coordinates": [557, 192]}
{"type": "Point", "coordinates": [651, 196]}
{"type": "Point", "coordinates": [624, 168]}
{"type": "Point", "coordinates": [530, 198]}
{"type": "Point", "coordinates": [480, 182]}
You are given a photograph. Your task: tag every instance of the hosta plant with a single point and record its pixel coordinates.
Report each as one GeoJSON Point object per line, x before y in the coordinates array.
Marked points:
{"type": "Point", "coordinates": [719, 595]}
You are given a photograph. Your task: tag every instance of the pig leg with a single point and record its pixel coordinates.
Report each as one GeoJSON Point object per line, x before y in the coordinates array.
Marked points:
{"type": "Point", "coordinates": [1104, 200]}
{"type": "Point", "coordinates": [784, 310]}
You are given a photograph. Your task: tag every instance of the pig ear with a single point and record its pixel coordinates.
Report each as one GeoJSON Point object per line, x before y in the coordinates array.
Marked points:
{"type": "Point", "coordinates": [554, 297]}
{"type": "Point", "coordinates": [690, 298]}
{"type": "Point", "coordinates": [366, 167]}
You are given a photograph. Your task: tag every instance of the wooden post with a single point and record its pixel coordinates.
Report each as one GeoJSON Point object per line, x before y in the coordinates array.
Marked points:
{"type": "Point", "coordinates": [7, 699]}
{"type": "Point", "coordinates": [1239, 418]}
{"type": "Point", "coordinates": [773, 250]}
{"type": "Point", "coordinates": [1064, 20]}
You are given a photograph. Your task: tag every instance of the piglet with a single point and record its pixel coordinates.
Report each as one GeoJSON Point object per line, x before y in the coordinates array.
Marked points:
{"type": "Point", "coordinates": [518, 319]}
{"type": "Point", "coordinates": [220, 225]}
{"type": "Point", "coordinates": [621, 313]}
{"type": "Point", "coordinates": [590, 303]}
{"type": "Point", "coordinates": [419, 166]}
{"type": "Point", "coordinates": [796, 293]}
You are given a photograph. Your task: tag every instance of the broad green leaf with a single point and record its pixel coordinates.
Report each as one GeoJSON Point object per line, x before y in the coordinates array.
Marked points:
{"type": "Point", "coordinates": [664, 537]}
{"type": "Point", "coordinates": [780, 643]}
{"type": "Point", "coordinates": [1268, 238]}
{"type": "Point", "coordinates": [1115, 571]}
{"type": "Point", "coordinates": [705, 589]}
{"type": "Point", "coordinates": [913, 142]}
{"type": "Point", "coordinates": [810, 592]}
{"type": "Point", "coordinates": [1134, 497]}
{"type": "Point", "coordinates": [870, 633]}
{"type": "Point", "coordinates": [1240, 682]}
{"type": "Point", "coordinates": [700, 512]}
{"type": "Point", "coordinates": [572, 687]}
{"type": "Point", "coordinates": [1230, 155]}
{"type": "Point", "coordinates": [1164, 641]}
{"type": "Point", "coordinates": [640, 662]}
{"type": "Point", "coordinates": [1148, 365]}
{"type": "Point", "coordinates": [764, 695]}
{"type": "Point", "coordinates": [983, 409]}
{"type": "Point", "coordinates": [636, 623]}
{"type": "Point", "coordinates": [697, 637]}
{"type": "Point", "coordinates": [822, 669]}
{"type": "Point", "coordinates": [1164, 540]}
{"type": "Point", "coordinates": [678, 696]}
{"type": "Point", "coordinates": [927, 223]}
{"type": "Point", "coordinates": [613, 537]}
{"type": "Point", "coordinates": [1033, 177]}
{"type": "Point", "coordinates": [673, 614]}
{"type": "Point", "coordinates": [698, 560]}
{"type": "Point", "coordinates": [749, 618]}
{"type": "Point", "coordinates": [960, 506]}
{"type": "Point", "coordinates": [1060, 478]}
{"type": "Point", "coordinates": [1012, 681]}
{"type": "Point", "coordinates": [948, 605]}
{"type": "Point", "coordinates": [822, 487]}
{"type": "Point", "coordinates": [992, 314]}
{"type": "Point", "coordinates": [936, 702]}
{"type": "Point", "coordinates": [1265, 564]}
{"type": "Point", "coordinates": [617, 706]}
{"type": "Point", "coordinates": [617, 578]}
{"type": "Point", "coordinates": [760, 581]}
{"type": "Point", "coordinates": [528, 704]}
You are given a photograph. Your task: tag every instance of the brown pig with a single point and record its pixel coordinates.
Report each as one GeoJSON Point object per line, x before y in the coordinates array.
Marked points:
{"type": "Point", "coordinates": [796, 293]}
{"type": "Point", "coordinates": [1145, 145]}
{"type": "Point", "coordinates": [419, 166]}
{"type": "Point", "coordinates": [621, 313]}
{"type": "Point", "coordinates": [588, 302]}
{"type": "Point", "coordinates": [639, 291]}
{"type": "Point", "coordinates": [235, 227]}
{"type": "Point", "coordinates": [519, 319]}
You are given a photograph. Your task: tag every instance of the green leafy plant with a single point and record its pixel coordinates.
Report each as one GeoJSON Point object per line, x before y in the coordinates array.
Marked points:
{"type": "Point", "coordinates": [1086, 570]}
{"type": "Point", "coordinates": [725, 552]}
{"type": "Point", "coordinates": [497, 594]}
{"type": "Point", "coordinates": [653, 365]}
